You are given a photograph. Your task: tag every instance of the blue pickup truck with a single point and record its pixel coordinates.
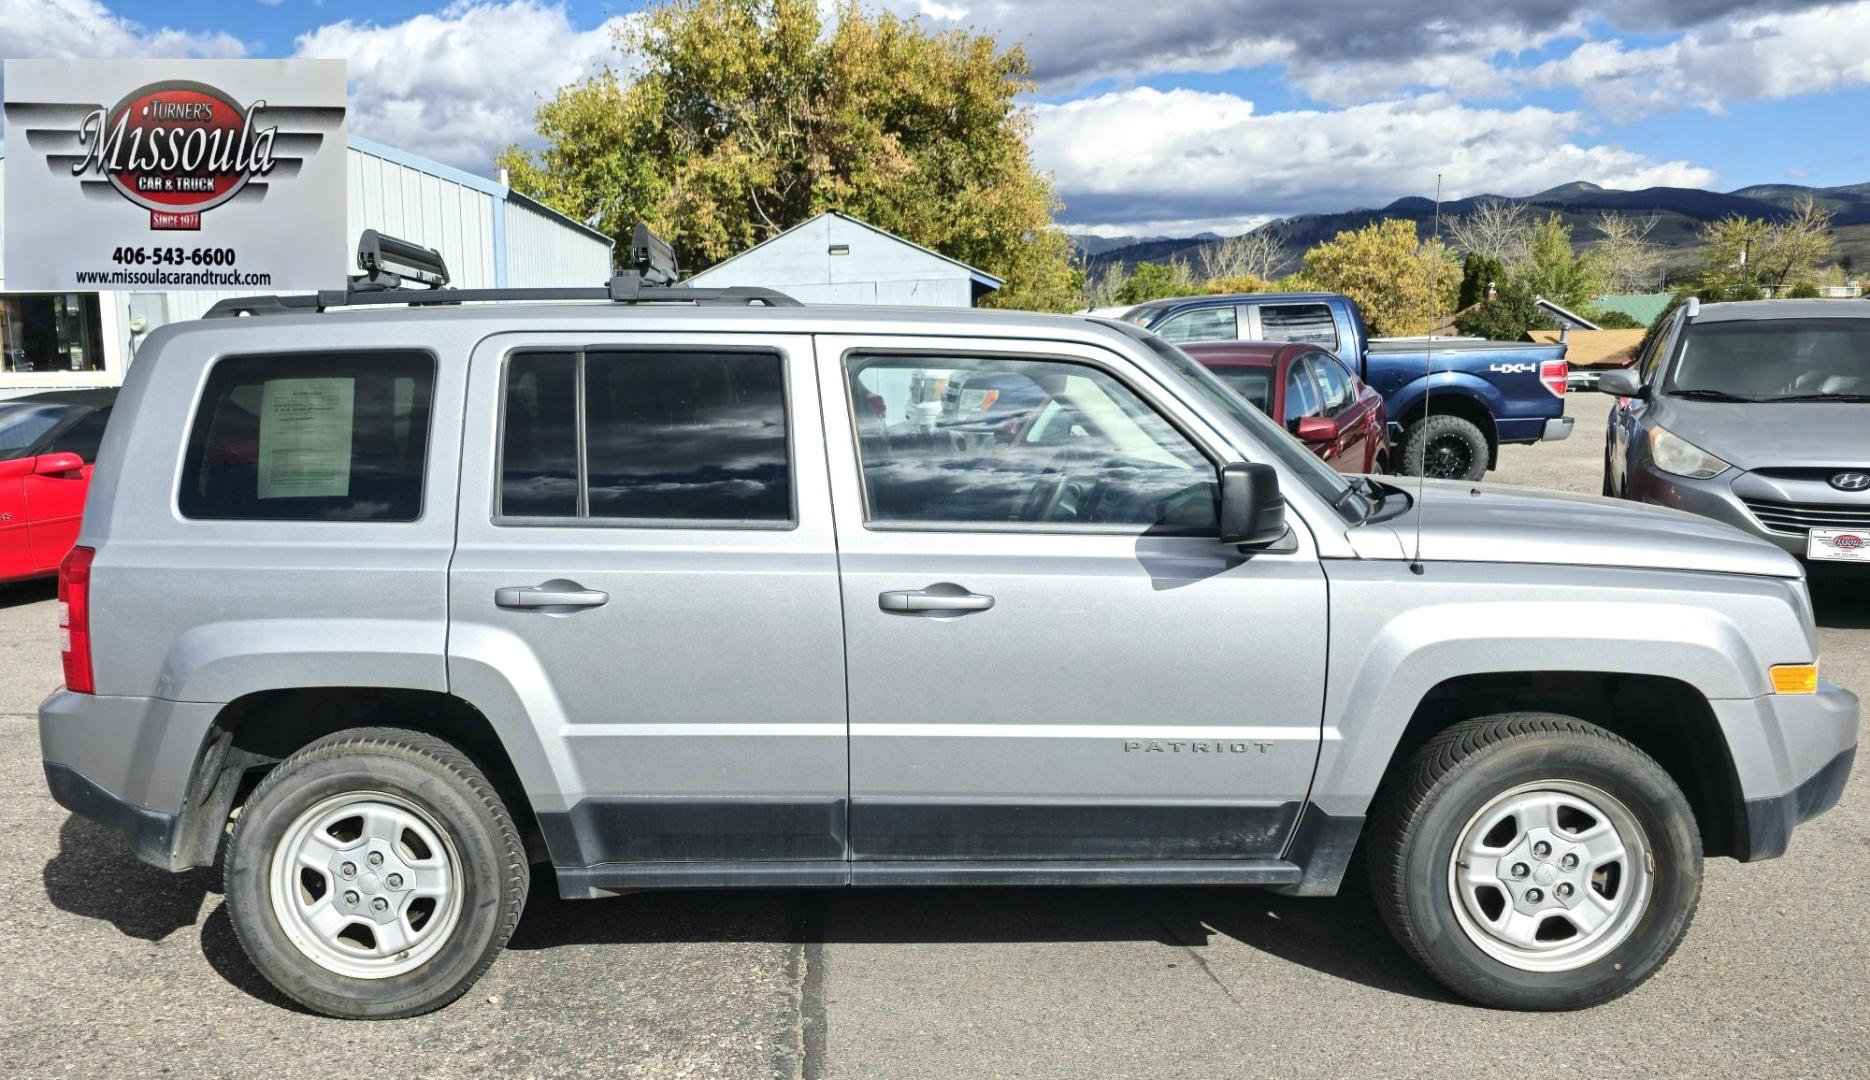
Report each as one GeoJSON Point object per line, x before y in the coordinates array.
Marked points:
{"type": "Point", "coordinates": [1484, 393]}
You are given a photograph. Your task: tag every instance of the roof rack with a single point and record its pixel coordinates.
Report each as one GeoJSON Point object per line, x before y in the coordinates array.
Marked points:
{"type": "Point", "coordinates": [387, 262]}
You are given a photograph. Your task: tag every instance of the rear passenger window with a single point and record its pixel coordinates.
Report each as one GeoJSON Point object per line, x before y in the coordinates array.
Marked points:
{"type": "Point", "coordinates": [310, 437]}
{"type": "Point", "coordinates": [83, 437]}
{"type": "Point", "coordinates": [675, 437]}
{"type": "Point", "coordinates": [1298, 322]}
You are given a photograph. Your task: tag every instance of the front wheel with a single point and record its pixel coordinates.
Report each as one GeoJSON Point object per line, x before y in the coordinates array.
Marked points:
{"type": "Point", "coordinates": [1445, 447]}
{"type": "Point", "coordinates": [1535, 861]}
{"type": "Point", "coordinates": [375, 874]}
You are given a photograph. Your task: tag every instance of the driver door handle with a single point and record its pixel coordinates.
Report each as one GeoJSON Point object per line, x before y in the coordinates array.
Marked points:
{"type": "Point", "coordinates": [938, 599]}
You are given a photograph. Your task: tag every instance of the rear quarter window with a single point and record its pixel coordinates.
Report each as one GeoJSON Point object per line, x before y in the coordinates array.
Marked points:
{"type": "Point", "coordinates": [310, 437]}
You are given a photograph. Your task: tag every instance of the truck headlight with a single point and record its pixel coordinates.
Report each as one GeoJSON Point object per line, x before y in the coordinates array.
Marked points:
{"type": "Point", "coordinates": [1674, 454]}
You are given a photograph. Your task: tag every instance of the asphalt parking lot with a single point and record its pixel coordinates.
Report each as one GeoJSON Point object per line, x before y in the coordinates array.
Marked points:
{"type": "Point", "coordinates": [115, 969]}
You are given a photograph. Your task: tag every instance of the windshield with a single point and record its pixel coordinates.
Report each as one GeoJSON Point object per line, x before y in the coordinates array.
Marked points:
{"type": "Point", "coordinates": [1254, 384]}
{"type": "Point", "coordinates": [23, 425]}
{"type": "Point", "coordinates": [1774, 360]}
{"type": "Point", "coordinates": [1299, 463]}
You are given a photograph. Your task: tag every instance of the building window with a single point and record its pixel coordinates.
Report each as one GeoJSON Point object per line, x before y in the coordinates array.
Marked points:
{"type": "Point", "coordinates": [50, 332]}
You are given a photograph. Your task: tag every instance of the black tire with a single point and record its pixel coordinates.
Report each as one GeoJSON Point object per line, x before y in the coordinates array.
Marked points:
{"type": "Point", "coordinates": [1423, 810]}
{"type": "Point", "coordinates": [443, 784]}
{"type": "Point", "coordinates": [1609, 491]}
{"type": "Point", "coordinates": [1454, 448]}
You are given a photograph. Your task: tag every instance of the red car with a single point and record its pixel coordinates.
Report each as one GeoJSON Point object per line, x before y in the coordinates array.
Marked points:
{"type": "Point", "coordinates": [1312, 393]}
{"type": "Point", "coordinates": [47, 444]}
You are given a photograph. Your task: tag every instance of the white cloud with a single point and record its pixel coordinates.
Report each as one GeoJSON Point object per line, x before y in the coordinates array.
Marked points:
{"type": "Point", "coordinates": [1157, 161]}
{"type": "Point", "coordinates": [460, 84]}
{"type": "Point", "coordinates": [1774, 55]}
{"type": "Point", "coordinates": [71, 29]}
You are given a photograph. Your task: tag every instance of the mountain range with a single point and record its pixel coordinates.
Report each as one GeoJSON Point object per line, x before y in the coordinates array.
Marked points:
{"type": "Point", "coordinates": [1680, 213]}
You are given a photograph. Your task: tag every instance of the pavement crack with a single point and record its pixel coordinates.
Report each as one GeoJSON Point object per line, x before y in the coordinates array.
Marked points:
{"type": "Point", "coordinates": [808, 978]}
{"type": "Point", "coordinates": [1180, 941]}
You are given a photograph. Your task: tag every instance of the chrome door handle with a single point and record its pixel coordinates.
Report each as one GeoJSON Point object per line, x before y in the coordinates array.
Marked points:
{"type": "Point", "coordinates": [552, 594]}
{"type": "Point", "coordinates": [939, 599]}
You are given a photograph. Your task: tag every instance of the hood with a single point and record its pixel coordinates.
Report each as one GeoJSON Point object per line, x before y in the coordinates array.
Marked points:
{"type": "Point", "coordinates": [1497, 523]}
{"type": "Point", "coordinates": [1826, 434]}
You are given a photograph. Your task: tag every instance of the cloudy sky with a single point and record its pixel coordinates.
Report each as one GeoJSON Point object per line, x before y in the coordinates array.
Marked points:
{"type": "Point", "coordinates": [1174, 117]}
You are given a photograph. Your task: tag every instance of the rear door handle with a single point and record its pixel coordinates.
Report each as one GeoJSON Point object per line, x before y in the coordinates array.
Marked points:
{"type": "Point", "coordinates": [551, 594]}
{"type": "Point", "coordinates": [941, 599]}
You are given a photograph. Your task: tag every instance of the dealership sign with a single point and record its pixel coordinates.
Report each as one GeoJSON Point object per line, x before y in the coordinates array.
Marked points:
{"type": "Point", "coordinates": [174, 174]}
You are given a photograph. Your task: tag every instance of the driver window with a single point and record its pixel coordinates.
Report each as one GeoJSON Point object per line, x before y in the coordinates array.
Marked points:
{"type": "Point", "coordinates": [1333, 380]}
{"type": "Point", "coordinates": [1301, 394]}
{"type": "Point", "coordinates": [1015, 442]}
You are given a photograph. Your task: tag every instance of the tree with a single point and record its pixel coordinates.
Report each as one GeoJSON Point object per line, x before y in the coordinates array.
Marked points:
{"type": "Point", "coordinates": [1236, 283]}
{"type": "Point", "coordinates": [1154, 281]}
{"type": "Point", "coordinates": [1494, 229]}
{"type": "Point", "coordinates": [1726, 270]}
{"type": "Point", "coordinates": [1795, 247]}
{"type": "Point", "coordinates": [1480, 275]}
{"type": "Point", "coordinates": [746, 117]}
{"type": "Point", "coordinates": [1259, 254]}
{"type": "Point", "coordinates": [1626, 259]}
{"type": "Point", "coordinates": [1405, 286]}
{"type": "Point", "coordinates": [1616, 320]}
{"type": "Point", "coordinates": [1552, 271]}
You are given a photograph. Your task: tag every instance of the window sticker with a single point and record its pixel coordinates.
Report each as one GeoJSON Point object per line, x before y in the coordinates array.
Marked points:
{"type": "Point", "coordinates": [305, 438]}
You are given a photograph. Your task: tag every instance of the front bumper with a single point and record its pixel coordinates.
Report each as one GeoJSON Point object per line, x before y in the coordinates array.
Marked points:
{"type": "Point", "coordinates": [1723, 498]}
{"type": "Point", "coordinates": [1792, 755]}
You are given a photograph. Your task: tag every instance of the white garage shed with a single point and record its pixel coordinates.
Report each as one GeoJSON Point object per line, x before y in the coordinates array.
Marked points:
{"type": "Point", "coordinates": [836, 259]}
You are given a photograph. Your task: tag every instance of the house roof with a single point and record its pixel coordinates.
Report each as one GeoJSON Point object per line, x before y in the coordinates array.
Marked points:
{"type": "Point", "coordinates": [981, 277]}
{"type": "Point", "coordinates": [1594, 348]}
{"type": "Point", "coordinates": [1643, 307]}
{"type": "Point", "coordinates": [1564, 315]}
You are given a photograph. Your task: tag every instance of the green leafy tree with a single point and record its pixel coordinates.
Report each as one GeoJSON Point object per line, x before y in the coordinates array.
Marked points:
{"type": "Point", "coordinates": [1154, 281]}
{"type": "Point", "coordinates": [742, 118]}
{"type": "Point", "coordinates": [1553, 272]}
{"type": "Point", "coordinates": [1616, 320]}
{"type": "Point", "coordinates": [1404, 286]}
{"type": "Point", "coordinates": [1479, 274]}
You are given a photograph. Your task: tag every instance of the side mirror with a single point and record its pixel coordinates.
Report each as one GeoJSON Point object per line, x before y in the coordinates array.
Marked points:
{"type": "Point", "coordinates": [56, 464]}
{"type": "Point", "coordinates": [1316, 429]}
{"type": "Point", "coordinates": [1253, 513]}
{"type": "Point", "coordinates": [1622, 382]}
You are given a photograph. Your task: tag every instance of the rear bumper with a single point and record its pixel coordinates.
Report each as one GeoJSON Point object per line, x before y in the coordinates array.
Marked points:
{"type": "Point", "coordinates": [1532, 429]}
{"type": "Point", "coordinates": [151, 833]}
{"type": "Point", "coordinates": [127, 763]}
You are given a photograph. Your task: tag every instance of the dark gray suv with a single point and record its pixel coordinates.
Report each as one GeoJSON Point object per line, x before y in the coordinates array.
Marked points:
{"type": "Point", "coordinates": [1758, 415]}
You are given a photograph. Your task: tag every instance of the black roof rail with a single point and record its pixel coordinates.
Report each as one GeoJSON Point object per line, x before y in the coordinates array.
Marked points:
{"type": "Point", "coordinates": [387, 260]}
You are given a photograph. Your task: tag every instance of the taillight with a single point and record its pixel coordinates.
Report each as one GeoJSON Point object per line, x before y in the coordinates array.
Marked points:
{"type": "Point", "coordinates": [74, 618]}
{"type": "Point", "coordinates": [1552, 373]}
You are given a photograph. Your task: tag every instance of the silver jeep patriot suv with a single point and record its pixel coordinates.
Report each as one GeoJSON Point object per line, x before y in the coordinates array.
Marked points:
{"type": "Point", "coordinates": [382, 598]}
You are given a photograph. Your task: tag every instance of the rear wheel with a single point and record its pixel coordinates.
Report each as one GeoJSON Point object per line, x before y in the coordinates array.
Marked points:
{"type": "Point", "coordinates": [1445, 447]}
{"type": "Point", "coordinates": [375, 874]}
{"type": "Point", "coordinates": [1535, 861]}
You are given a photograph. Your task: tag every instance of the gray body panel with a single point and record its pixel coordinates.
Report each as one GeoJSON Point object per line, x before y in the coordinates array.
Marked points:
{"type": "Point", "coordinates": [741, 709]}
